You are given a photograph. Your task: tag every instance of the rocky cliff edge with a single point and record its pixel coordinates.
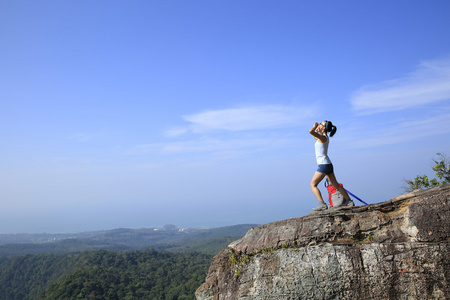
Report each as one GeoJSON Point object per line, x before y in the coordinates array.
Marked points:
{"type": "Point", "coordinates": [397, 249]}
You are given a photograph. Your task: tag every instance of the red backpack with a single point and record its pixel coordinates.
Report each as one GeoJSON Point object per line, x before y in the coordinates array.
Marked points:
{"type": "Point", "coordinates": [333, 194]}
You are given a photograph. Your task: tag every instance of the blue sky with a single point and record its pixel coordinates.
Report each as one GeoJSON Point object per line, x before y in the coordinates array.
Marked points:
{"type": "Point", "coordinates": [196, 113]}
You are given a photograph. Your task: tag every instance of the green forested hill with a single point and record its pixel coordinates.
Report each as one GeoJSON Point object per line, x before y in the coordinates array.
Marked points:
{"type": "Point", "coordinates": [103, 275]}
{"type": "Point", "coordinates": [169, 264]}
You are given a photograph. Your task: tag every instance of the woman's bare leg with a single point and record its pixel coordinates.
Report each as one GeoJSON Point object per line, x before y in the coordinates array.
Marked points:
{"type": "Point", "coordinates": [337, 186]}
{"type": "Point", "coordinates": [317, 178]}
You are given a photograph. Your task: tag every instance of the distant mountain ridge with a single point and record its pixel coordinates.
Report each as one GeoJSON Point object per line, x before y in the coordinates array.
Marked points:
{"type": "Point", "coordinates": [169, 237]}
{"type": "Point", "coordinates": [33, 238]}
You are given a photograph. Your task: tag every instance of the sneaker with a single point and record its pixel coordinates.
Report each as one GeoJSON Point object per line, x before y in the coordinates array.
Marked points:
{"type": "Point", "coordinates": [348, 202]}
{"type": "Point", "coordinates": [321, 206]}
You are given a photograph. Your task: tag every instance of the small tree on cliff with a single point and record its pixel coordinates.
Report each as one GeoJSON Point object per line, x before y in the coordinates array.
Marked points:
{"type": "Point", "coordinates": [442, 169]}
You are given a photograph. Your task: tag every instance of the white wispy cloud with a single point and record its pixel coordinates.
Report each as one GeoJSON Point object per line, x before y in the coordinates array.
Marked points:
{"type": "Point", "coordinates": [210, 145]}
{"type": "Point", "coordinates": [402, 132]}
{"type": "Point", "coordinates": [232, 132]}
{"type": "Point", "coordinates": [429, 83]}
{"type": "Point", "coordinates": [175, 131]}
{"type": "Point", "coordinates": [244, 119]}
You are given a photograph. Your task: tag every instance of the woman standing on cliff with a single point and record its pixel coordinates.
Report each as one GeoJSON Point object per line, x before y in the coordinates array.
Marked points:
{"type": "Point", "coordinates": [325, 167]}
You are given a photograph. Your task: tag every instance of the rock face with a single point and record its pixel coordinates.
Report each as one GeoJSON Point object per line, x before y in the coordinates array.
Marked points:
{"type": "Point", "coordinates": [398, 249]}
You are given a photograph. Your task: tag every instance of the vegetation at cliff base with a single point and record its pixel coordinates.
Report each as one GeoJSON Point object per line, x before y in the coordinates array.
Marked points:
{"type": "Point", "coordinates": [104, 275]}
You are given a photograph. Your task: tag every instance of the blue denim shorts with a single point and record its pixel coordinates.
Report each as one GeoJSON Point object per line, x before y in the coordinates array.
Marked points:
{"type": "Point", "coordinates": [325, 169]}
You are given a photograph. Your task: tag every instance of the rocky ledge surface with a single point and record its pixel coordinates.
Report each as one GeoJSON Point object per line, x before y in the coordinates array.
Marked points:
{"type": "Point", "coordinates": [397, 249]}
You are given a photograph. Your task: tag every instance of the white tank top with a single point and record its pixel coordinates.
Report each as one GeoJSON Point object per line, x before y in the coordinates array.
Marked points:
{"type": "Point", "coordinates": [322, 152]}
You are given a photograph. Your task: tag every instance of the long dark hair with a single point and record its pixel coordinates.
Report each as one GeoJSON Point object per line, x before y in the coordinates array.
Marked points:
{"type": "Point", "coordinates": [330, 128]}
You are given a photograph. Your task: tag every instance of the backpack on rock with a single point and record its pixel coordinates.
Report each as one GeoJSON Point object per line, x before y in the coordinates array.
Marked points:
{"type": "Point", "coordinates": [335, 197]}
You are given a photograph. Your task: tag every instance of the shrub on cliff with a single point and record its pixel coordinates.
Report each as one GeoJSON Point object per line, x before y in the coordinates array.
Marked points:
{"type": "Point", "coordinates": [442, 169]}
